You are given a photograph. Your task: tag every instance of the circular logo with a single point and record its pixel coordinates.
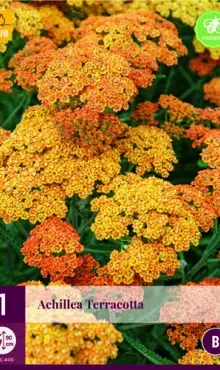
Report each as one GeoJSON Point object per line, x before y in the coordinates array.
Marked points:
{"type": "Point", "coordinates": [207, 29]}
{"type": "Point", "coordinates": [7, 340]}
{"type": "Point", "coordinates": [211, 341]}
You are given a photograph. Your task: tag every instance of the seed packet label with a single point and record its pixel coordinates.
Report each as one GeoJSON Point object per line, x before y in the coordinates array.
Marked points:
{"type": "Point", "coordinates": [12, 325]}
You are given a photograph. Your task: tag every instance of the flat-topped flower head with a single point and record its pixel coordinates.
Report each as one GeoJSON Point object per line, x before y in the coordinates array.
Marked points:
{"type": "Point", "coordinates": [39, 169]}
{"type": "Point", "coordinates": [90, 129]}
{"type": "Point", "coordinates": [53, 246]}
{"type": "Point", "coordinates": [83, 343]}
{"type": "Point", "coordinates": [151, 207]}
{"type": "Point", "coordinates": [144, 113]}
{"type": "Point", "coordinates": [199, 357]}
{"type": "Point", "coordinates": [56, 25]}
{"type": "Point", "coordinates": [143, 38]}
{"type": "Point", "coordinates": [150, 148]}
{"type": "Point", "coordinates": [146, 260]}
{"type": "Point", "coordinates": [92, 75]}
{"type": "Point", "coordinates": [32, 61]}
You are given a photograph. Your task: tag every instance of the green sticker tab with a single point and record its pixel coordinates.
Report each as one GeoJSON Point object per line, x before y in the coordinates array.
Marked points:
{"type": "Point", "coordinates": [207, 29]}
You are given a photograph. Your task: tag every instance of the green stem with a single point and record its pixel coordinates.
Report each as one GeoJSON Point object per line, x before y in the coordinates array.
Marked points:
{"type": "Point", "coordinates": [214, 260]}
{"type": "Point", "coordinates": [212, 246]}
{"type": "Point", "coordinates": [13, 113]}
{"type": "Point", "coordinates": [22, 229]}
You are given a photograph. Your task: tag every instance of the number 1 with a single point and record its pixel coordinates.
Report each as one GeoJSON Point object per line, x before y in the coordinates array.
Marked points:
{"type": "Point", "coordinates": [2, 297]}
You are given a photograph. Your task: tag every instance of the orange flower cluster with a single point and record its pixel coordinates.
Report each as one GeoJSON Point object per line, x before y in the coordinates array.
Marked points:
{"type": "Point", "coordinates": [5, 83]}
{"type": "Point", "coordinates": [53, 247]}
{"type": "Point", "coordinates": [90, 129]}
{"type": "Point", "coordinates": [93, 76]}
{"type": "Point", "coordinates": [210, 115]}
{"type": "Point", "coordinates": [150, 148]}
{"type": "Point", "coordinates": [144, 113]}
{"type": "Point", "coordinates": [151, 206]}
{"type": "Point", "coordinates": [199, 357]}
{"type": "Point", "coordinates": [200, 204]}
{"type": "Point", "coordinates": [85, 273]}
{"type": "Point", "coordinates": [147, 261]}
{"type": "Point", "coordinates": [178, 110]}
{"type": "Point", "coordinates": [174, 131]}
{"type": "Point", "coordinates": [203, 64]}
{"type": "Point", "coordinates": [90, 343]}
{"type": "Point", "coordinates": [182, 112]}
{"type": "Point", "coordinates": [211, 154]}
{"type": "Point", "coordinates": [142, 38]}
{"type": "Point", "coordinates": [198, 134]}
{"type": "Point", "coordinates": [208, 181]}
{"type": "Point", "coordinates": [32, 62]}
{"type": "Point", "coordinates": [38, 169]}
{"type": "Point", "coordinates": [59, 28]}
{"type": "Point", "coordinates": [212, 91]}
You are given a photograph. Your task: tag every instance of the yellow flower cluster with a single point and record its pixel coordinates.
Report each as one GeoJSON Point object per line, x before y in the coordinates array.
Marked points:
{"type": "Point", "coordinates": [58, 27]}
{"type": "Point", "coordinates": [199, 357]}
{"type": "Point", "coordinates": [90, 343]}
{"type": "Point", "coordinates": [187, 11]}
{"type": "Point", "coordinates": [148, 260]}
{"type": "Point", "coordinates": [38, 169]}
{"type": "Point", "coordinates": [27, 20]}
{"type": "Point", "coordinates": [150, 148]}
{"type": "Point", "coordinates": [199, 48]}
{"type": "Point", "coordinates": [98, 7]}
{"type": "Point", "coordinates": [4, 134]}
{"type": "Point", "coordinates": [151, 206]}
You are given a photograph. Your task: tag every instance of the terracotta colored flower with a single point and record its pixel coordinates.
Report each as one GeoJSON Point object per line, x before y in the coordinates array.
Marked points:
{"type": "Point", "coordinates": [32, 62]}
{"type": "Point", "coordinates": [150, 148]}
{"type": "Point", "coordinates": [147, 260]}
{"type": "Point", "coordinates": [143, 38]}
{"type": "Point", "coordinates": [211, 153]}
{"type": "Point", "coordinates": [174, 131]}
{"type": "Point", "coordinates": [151, 207]}
{"type": "Point", "coordinates": [178, 110]}
{"type": "Point", "coordinates": [89, 343]}
{"type": "Point", "coordinates": [53, 247]}
{"type": "Point", "coordinates": [208, 181]}
{"type": "Point", "coordinates": [93, 76]}
{"type": "Point", "coordinates": [198, 133]}
{"type": "Point", "coordinates": [200, 204]}
{"type": "Point", "coordinates": [144, 113]}
{"type": "Point", "coordinates": [5, 83]}
{"type": "Point", "coordinates": [90, 129]}
{"type": "Point", "coordinates": [203, 64]}
{"type": "Point", "coordinates": [39, 169]}
{"type": "Point", "coordinates": [212, 91]}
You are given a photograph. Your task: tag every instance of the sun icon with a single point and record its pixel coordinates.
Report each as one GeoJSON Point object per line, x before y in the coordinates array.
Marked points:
{"type": "Point", "coordinates": [2, 20]}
